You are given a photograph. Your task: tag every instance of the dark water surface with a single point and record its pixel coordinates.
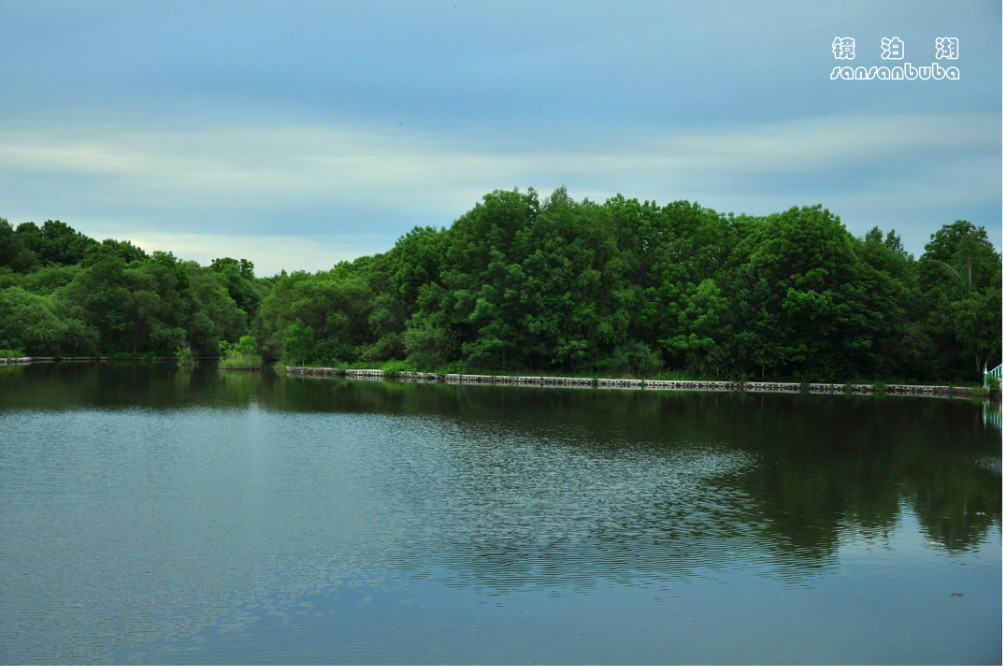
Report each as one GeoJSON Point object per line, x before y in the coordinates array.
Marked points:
{"type": "Point", "coordinates": [150, 514]}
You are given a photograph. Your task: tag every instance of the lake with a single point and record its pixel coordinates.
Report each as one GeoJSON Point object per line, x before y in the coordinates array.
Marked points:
{"type": "Point", "coordinates": [153, 514]}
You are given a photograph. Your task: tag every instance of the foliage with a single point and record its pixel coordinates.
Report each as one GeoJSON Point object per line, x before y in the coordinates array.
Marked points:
{"type": "Point", "coordinates": [392, 368]}
{"type": "Point", "coordinates": [246, 347]}
{"type": "Point", "coordinates": [960, 275]}
{"type": "Point", "coordinates": [66, 294]}
{"type": "Point", "coordinates": [240, 355]}
{"type": "Point", "coordinates": [185, 356]}
{"type": "Point", "coordinates": [298, 343]}
{"type": "Point", "coordinates": [551, 285]}
{"type": "Point", "coordinates": [335, 306]}
{"type": "Point", "coordinates": [630, 360]}
{"type": "Point", "coordinates": [30, 322]}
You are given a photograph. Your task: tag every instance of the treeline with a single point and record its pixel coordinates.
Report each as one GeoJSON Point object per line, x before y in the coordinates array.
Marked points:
{"type": "Point", "coordinates": [519, 284]}
{"type": "Point", "coordinates": [64, 294]}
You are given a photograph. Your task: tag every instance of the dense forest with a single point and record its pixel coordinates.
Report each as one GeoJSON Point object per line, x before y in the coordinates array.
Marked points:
{"type": "Point", "coordinates": [554, 286]}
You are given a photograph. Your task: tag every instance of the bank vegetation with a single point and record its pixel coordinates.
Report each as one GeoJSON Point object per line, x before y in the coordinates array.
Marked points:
{"type": "Point", "coordinates": [520, 284]}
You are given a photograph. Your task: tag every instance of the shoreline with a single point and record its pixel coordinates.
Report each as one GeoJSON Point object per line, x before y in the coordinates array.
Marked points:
{"type": "Point", "coordinates": [819, 388]}
{"type": "Point", "coordinates": [26, 360]}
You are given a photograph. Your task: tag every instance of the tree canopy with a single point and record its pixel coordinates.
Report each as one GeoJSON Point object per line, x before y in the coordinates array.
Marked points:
{"type": "Point", "coordinates": [64, 294]}
{"type": "Point", "coordinates": [520, 283]}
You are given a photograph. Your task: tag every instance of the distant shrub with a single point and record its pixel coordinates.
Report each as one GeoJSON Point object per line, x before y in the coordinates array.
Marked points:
{"type": "Point", "coordinates": [633, 359]}
{"type": "Point", "coordinates": [240, 355]}
{"type": "Point", "coordinates": [392, 368]}
{"type": "Point", "coordinates": [680, 376]}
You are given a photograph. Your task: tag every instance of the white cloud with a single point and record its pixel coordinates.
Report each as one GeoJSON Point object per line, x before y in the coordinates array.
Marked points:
{"type": "Point", "coordinates": [191, 190]}
{"type": "Point", "coordinates": [826, 142]}
{"type": "Point", "coordinates": [365, 162]}
{"type": "Point", "coordinates": [270, 254]}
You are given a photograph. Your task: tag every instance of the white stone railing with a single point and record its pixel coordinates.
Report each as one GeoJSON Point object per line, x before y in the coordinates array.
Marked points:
{"type": "Point", "coordinates": [637, 384]}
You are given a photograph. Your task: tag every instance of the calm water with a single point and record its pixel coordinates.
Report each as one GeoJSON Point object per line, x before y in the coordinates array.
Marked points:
{"type": "Point", "coordinates": [150, 514]}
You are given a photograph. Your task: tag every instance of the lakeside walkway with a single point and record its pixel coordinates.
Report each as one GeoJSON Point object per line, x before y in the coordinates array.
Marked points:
{"type": "Point", "coordinates": [599, 383]}
{"type": "Point", "coordinates": [641, 384]}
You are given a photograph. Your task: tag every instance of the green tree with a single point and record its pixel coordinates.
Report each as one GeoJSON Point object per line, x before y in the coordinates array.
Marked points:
{"type": "Point", "coordinates": [429, 343]}
{"type": "Point", "coordinates": [797, 298]}
{"type": "Point", "coordinates": [100, 296]}
{"type": "Point", "coordinates": [160, 302]}
{"type": "Point", "coordinates": [901, 347]}
{"type": "Point", "coordinates": [960, 273]}
{"type": "Point", "coordinates": [335, 305]}
{"type": "Point", "coordinates": [238, 275]}
{"type": "Point", "coordinates": [215, 316]}
{"type": "Point", "coordinates": [28, 322]}
{"type": "Point", "coordinates": [61, 244]}
{"type": "Point", "coordinates": [30, 237]}
{"type": "Point", "coordinates": [298, 343]}
{"type": "Point", "coordinates": [14, 253]}
{"type": "Point", "coordinates": [124, 250]}
{"type": "Point", "coordinates": [701, 316]}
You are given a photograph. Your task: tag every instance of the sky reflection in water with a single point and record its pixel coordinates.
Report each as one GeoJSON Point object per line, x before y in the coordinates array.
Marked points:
{"type": "Point", "coordinates": [260, 519]}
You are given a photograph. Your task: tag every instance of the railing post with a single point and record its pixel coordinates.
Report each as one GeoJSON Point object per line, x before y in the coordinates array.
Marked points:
{"type": "Point", "coordinates": [996, 372]}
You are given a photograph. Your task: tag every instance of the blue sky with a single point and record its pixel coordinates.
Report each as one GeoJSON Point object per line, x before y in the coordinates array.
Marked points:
{"type": "Point", "coordinates": [299, 134]}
